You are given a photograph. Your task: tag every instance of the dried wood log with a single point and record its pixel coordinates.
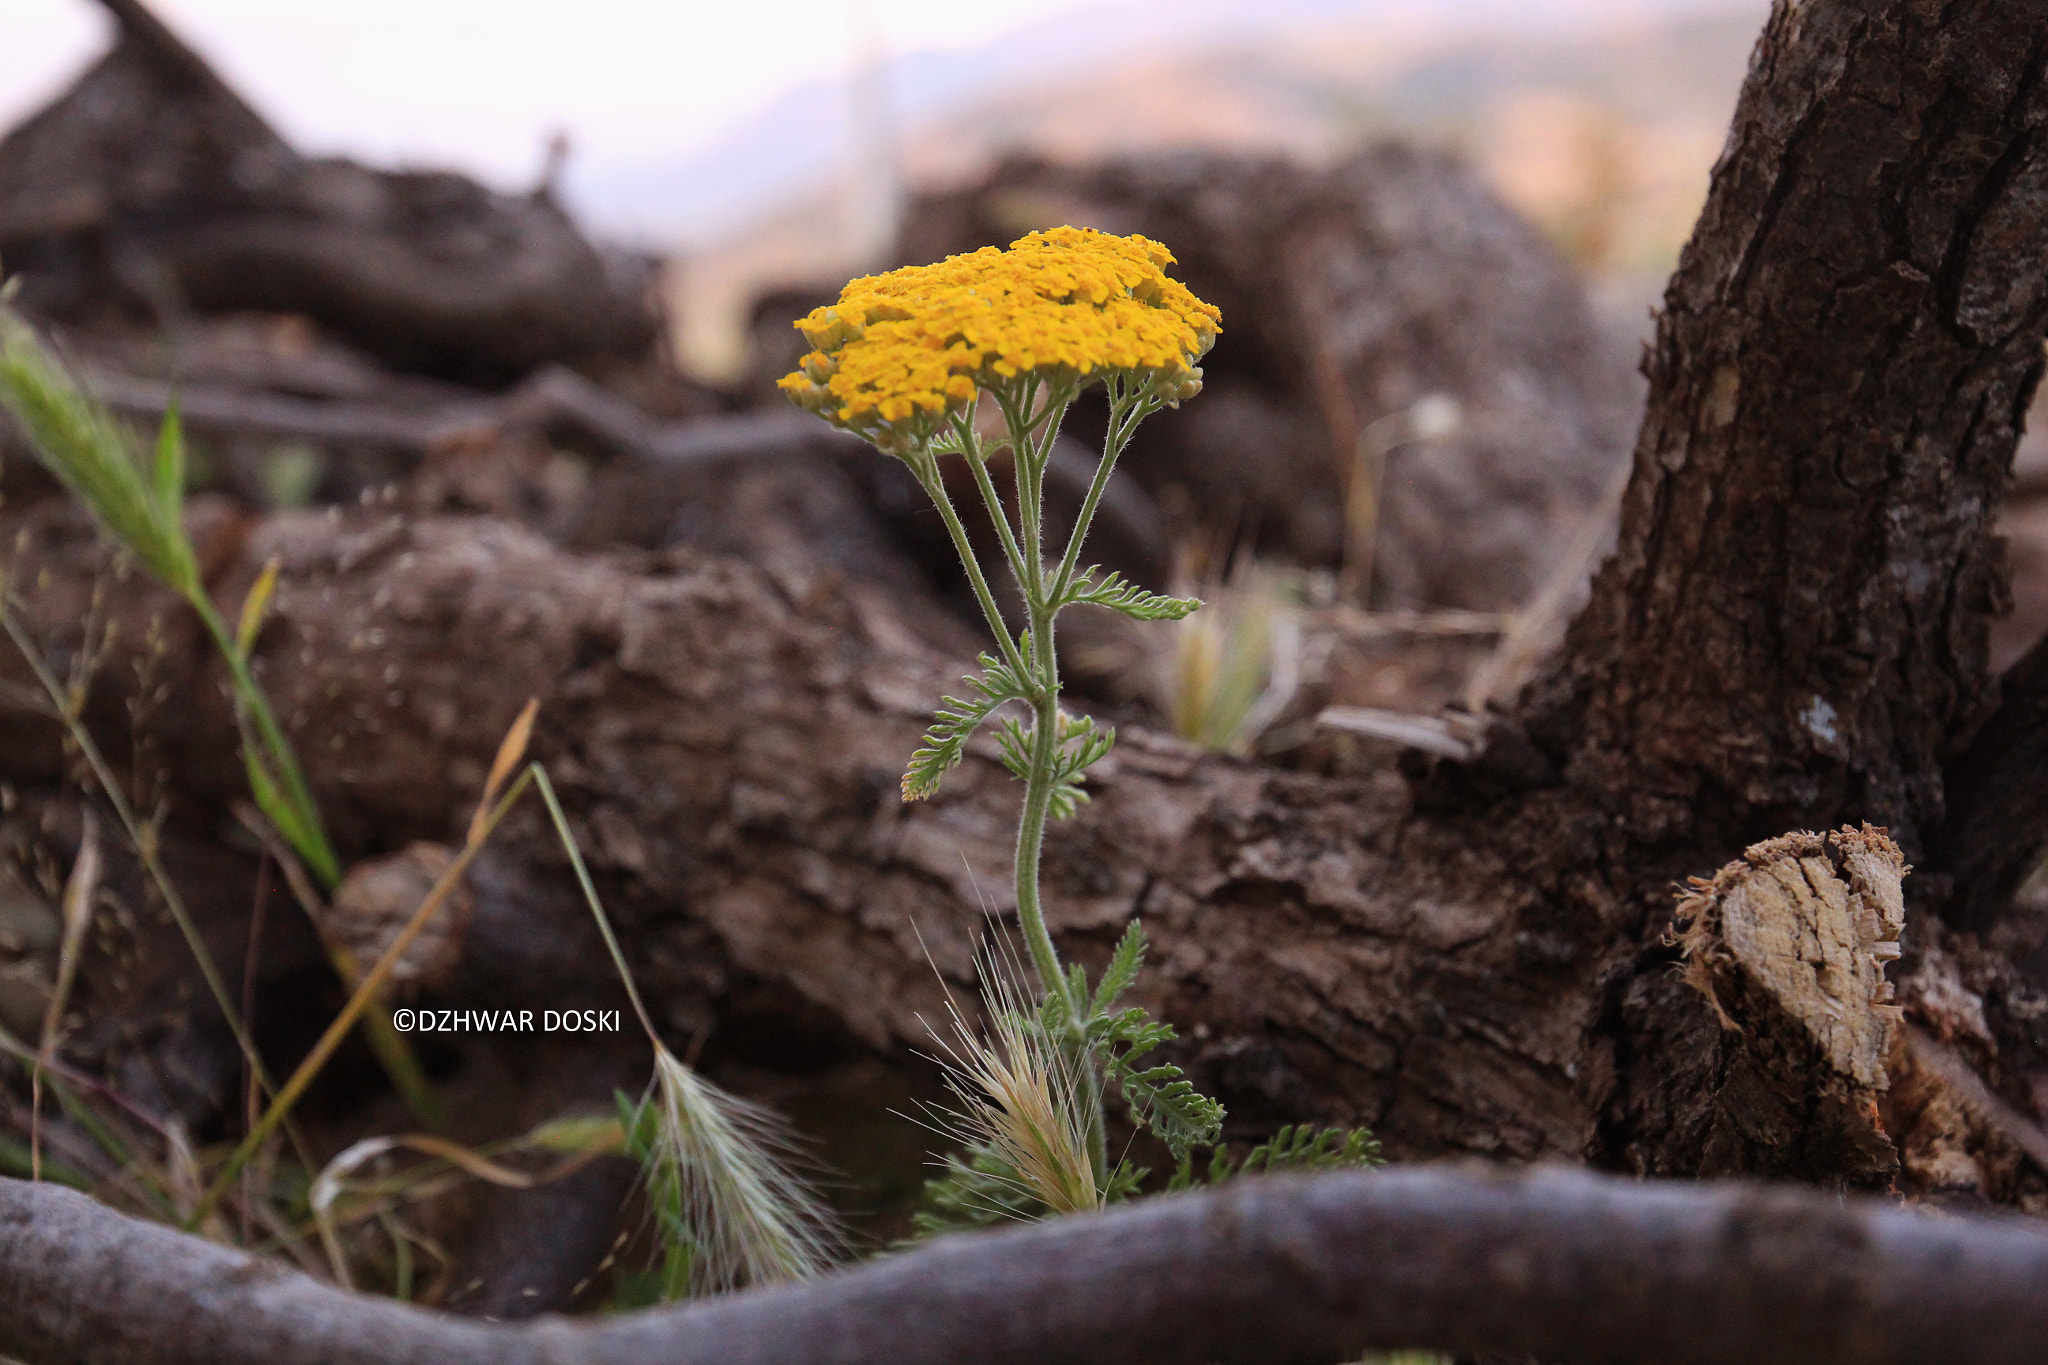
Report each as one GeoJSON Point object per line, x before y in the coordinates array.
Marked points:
{"type": "Point", "coordinates": [1789, 946]}
{"type": "Point", "coordinates": [555, 400]}
{"type": "Point", "coordinates": [656, 473]}
{"type": "Point", "coordinates": [150, 182]}
{"type": "Point", "coordinates": [1272, 1271]}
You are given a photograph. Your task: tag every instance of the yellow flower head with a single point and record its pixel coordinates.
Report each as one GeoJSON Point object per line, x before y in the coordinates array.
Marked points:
{"type": "Point", "coordinates": [899, 352]}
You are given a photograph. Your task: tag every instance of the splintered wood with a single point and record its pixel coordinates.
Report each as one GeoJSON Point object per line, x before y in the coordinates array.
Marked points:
{"type": "Point", "coordinates": [1789, 945]}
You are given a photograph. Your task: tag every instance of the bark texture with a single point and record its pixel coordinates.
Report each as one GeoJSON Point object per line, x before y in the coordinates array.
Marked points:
{"type": "Point", "coordinates": [1267, 1272]}
{"type": "Point", "coordinates": [1793, 629]}
{"type": "Point", "coordinates": [1997, 825]}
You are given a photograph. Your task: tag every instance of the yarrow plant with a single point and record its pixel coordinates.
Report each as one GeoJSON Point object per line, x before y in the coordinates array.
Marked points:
{"type": "Point", "coordinates": [906, 360]}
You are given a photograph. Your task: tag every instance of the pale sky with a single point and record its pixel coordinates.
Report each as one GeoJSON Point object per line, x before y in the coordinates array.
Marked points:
{"type": "Point", "coordinates": [481, 83]}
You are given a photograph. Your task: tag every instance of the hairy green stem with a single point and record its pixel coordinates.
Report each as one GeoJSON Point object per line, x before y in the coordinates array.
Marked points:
{"type": "Point", "coordinates": [926, 470]}
{"type": "Point", "coordinates": [1031, 843]}
{"type": "Point", "coordinates": [977, 462]}
{"type": "Point", "coordinates": [1125, 412]}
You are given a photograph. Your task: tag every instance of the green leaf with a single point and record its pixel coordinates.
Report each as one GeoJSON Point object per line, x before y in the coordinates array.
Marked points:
{"type": "Point", "coordinates": [946, 742]}
{"type": "Point", "coordinates": [1104, 588]}
{"type": "Point", "coordinates": [1053, 1014]}
{"type": "Point", "coordinates": [1302, 1148]}
{"type": "Point", "coordinates": [1166, 1101]}
{"type": "Point", "coordinates": [977, 1190]}
{"type": "Point", "coordinates": [1122, 970]}
{"type": "Point", "coordinates": [1081, 746]}
{"type": "Point", "coordinates": [1014, 741]}
{"type": "Point", "coordinates": [291, 823]}
{"type": "Point", "coordinates": [170, 467]}
{"type": "Point", "coordinates": [1124, 1182]}
{"type": "Point", "coordinates": [1161, 1097]}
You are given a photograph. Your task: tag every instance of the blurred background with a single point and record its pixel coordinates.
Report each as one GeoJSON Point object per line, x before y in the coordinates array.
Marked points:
{"type": "Point", "coordinates": [756, 147]}
{"type": "Point", "coordinates": [1437, 230]}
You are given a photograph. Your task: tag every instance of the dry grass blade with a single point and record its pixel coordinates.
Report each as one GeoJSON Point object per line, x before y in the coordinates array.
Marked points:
{"type": "Point", "coordinates": [382, 1035]}
{"type": "Point", "coordinates": [256, 606]}
{"type": "Point", "coordinates": [333, 1179]}
{"type": "Point", "coordinates": [510, 751]}
{"type": "Point", "coordinates": [81, 889]}
{"type": "Point", "coordinates": [364, 997]}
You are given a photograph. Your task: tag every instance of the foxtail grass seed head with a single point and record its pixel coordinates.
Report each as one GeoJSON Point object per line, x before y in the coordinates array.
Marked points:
{"type": "Point", "coordinates": [1020, 1096]}
{"type": "Point", "coordinates": [900, 352]}
{"type": "Point", "coordinates": [727, 1162]}
{"type": "Point", "coordinates": [96, 459]}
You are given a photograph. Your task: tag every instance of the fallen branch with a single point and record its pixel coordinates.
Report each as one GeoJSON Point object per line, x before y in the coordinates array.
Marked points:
{"type": "Point", "coordinates": [1267, 1271]}
{"type": "Point", "coordinates": [554, 398]}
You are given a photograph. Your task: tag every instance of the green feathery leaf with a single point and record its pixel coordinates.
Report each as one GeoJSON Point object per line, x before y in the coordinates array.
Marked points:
{"type": "Point", "coordinates": [1081, 745]}
{"type": "Point", "coordinates": [1122, 970]}
{"type": "Point", "coordinates": [978, 1189]}
{"type": "Point", "coordinates": [956, 722]}
{"type": "Point", "coordinates": [1161, 1098]}
{"type": "Point", "coordinates": [1302, 1148]}
{"type": "Point", "coordinates": [1104, 588]}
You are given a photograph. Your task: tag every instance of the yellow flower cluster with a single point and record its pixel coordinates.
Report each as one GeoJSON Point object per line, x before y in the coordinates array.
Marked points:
{"type": "Point", "coordinates": [899, 351]}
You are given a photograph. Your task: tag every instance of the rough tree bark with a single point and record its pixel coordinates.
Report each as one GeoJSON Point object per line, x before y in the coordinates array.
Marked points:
{"type": "Point", "coordinates": [1267, 1272]}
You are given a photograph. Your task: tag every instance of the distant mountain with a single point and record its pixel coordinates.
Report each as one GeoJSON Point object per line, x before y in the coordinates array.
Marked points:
{"type": "Point", "coordinates": [799, 140]}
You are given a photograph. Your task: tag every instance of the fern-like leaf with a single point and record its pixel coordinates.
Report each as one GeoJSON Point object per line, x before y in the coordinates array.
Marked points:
{"type": "Point", "coordinates": [1166, 1101]}
{"type": "Point", "coordinates": [1105, 588]}
{"type": "Point", "coordinates": [1161, 1097]}
{"type": "Point", "coordinates": [977, 1189]}
{"type": "Point", "coordinates": [1122, 970]}
{"type": "Point", "coordinates": [1302, 1148]}
{"type": "Point", "coordinates": [1082, 744]}
{"type": "Point", "coordinates": [956, 722]}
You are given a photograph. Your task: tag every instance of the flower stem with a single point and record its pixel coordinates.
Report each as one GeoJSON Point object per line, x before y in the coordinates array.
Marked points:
{"type": "Point", "coordinates": [1030, 845]}
{"type": "Point", "coordinates": [1125, 412]}
{"type": "Point", "coordinates": [926, 469]}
